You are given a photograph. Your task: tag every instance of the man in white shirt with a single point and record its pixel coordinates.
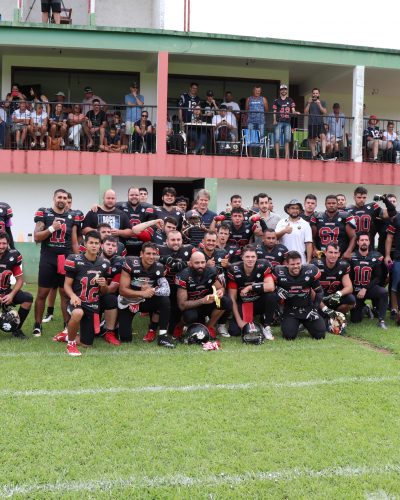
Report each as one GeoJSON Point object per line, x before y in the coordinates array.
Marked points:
{"type": "Point", "coordinates": [294, 232]}
{"type": "Point", "coordinates": [225, 125]}
{"type": "Point", "coordinates": [38, 125]}
{"type": "Point", "coordinates": [231, 104]}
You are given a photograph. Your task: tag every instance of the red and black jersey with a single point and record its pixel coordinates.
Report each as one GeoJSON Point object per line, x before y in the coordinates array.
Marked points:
{"type": "Point", "coordinates": [197, 285]}
{"type": "Point", "coordinates": [116, 265]}
{"type": "Point", "coordinates": [283, 109]}
{"type": "Point", "coordinates": [366, 270]}
{"type": "Point", "coordinates": [275, 256]}
{"type": "Point", "coordinates": [365, 217]}
{"type": "Point", "coordinates": [331, 279]}
{"type": "Point", "coordinates": [174, 262]}
{"type": "Point", "coordinates": [332, 229]}
{"type": "Point", "coordinates": [59, 242]}
{"type": "Point", "coordinates": [394, 228]}
{"type": "Point", "coordinates": [298, 288]}
{"type": "Point", "coordinates": [234, 252]}
{"type": "Point", "coordinates": [10, 265]}
{"type": "Point", "coordinates": [142, 212]}
{"type": "Point", "coordinates": [5, 215]}
{"type": "Point", "coordinates": [238, 279]}
{"type": "Point", "coordinates": [218, 255]}
{"type": "Point", "coordinates": [79, 216]}
{"type": "Point", "coordinates": [85, 273]}
{"type": "Point", "coordinates": [162, 213]}
{"type": "Point", "coordinates": [141, 277]}
{"type": "Point", "coordinates": [241, 235]}
{"type": "Point", "coordinates": [307, 217]}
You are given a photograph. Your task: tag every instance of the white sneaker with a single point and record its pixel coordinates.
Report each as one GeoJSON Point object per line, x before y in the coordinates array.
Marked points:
{"type": "Point", "coordinates": [221, 330]}
{"type": "Point", "coordinates": [267, 332]}
{"type": "Point", "coordinates": [47, 318]}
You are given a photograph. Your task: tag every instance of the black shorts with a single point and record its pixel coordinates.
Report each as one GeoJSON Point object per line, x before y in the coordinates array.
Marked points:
{"type": "Point", "coordinates": [315, 131]}
{"type": "Point", "coordinates": [48, 275]}
{"type": "Point", "coordinates": [89, 325]}
{"type": "Point", "coordinates": [21, 297]}
{"type": "Point", "coordinates": [54, 4]}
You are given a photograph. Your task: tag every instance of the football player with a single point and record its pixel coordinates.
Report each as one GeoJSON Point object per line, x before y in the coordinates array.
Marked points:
{"type": "Point", "coordinates": [366, 270]}
{"type": "Point", "coordinates": [251, 287]}
{"type": "Point", "coordinates": [270, 249]}
{"type": "Point", "coordinates": [241, 231]}
{"type": "Point", "coordinates": [223, 243]}
{"type": "Point", "coordinates": [310, 204]}
{"type": "Point", "coordinates": [298, 285]}
{"type": "Point", "coordinates": [168, 208]}
{"type": "Point", "coordinates": [6, 214]}
{"type": "Point", "coordinates": [10, 265]}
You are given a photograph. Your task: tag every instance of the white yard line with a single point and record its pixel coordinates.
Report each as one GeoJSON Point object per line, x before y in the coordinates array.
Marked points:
{"type": "Point", "coordinates": [180, 480]}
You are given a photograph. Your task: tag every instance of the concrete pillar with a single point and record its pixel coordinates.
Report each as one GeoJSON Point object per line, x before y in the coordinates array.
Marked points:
{"type": "Point", "coordinates": [162, 94]}
{"type": "Point", "coordinates": [358, 112]}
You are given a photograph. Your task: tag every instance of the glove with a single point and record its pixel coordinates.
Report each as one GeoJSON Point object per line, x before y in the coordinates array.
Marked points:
{"type": "Point", "coordinates": [177, 265]}
{"type": "Point", "coordinates": [329, 312]}
{"type": "Point", "coordinates": [312, 315]}
{"type": "Point", "coordinates": [219, 218]}
{"type": "Point", "coordinates": [255, 218]}
{"type": "Point", "coordinates": [334, 299]}
{"type": "Point", "coordinates": [282, 293]}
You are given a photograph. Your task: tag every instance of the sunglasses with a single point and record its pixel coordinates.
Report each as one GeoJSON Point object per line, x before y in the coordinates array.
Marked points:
{"type": "Point", "coordinates": [145, 116]}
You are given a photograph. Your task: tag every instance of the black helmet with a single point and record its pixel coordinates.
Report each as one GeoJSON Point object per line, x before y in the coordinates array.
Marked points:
{"type": "Point", "coordinates": [9, 319]}
{"type": "Point", "coordinates": [197, 333]}
{"type": "Point", "coordinates": [252, 334]}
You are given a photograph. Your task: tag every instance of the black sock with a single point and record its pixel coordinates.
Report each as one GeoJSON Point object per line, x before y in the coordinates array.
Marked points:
{"type": "Point", "coordinates": [50, 311]}
{"type": "Point", "coordinates": [22, 313]}
{"type": "Point", "coordinates": [37, 325]}
{"type": "Point", "coordinates": [153, 325]}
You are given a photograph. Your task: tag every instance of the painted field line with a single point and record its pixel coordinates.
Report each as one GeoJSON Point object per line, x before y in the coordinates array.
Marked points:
{"type": "Point", "coordinates": [197, 388]}
{"type": "Point", "coordinates": [180, 480]}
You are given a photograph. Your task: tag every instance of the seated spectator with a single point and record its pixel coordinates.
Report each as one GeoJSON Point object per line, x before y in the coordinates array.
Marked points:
{"type": "Point", "coordinates": [175, 140]}
{"type": "Point", "coordinates": [144, 136]}
{"type": "Point", "coordinates": [58, 123]}
{"type": "Point", "coordinates": [60, 97]}
{"type": "Point", "coordinates": [332, 143]}
{"type": "Point", "coordinates": [197, 135]}
{"type": "Point", "coordinates": [374, 136]}
{"type": "Point", "coordinates": [391, 136]}
{"type": "Point", "coordinates": [118, 123]}
{"type": "Point", "coordinates": [20, 119]}
{"type": "Point", "coordinates": [35, 98]}
{"type": "Point", "coordinates": [77, 122]}
{"type": "Point", "coordinates": [336, 121]}
{"type": "Point", "coordinates": [225, 125]}
{"type": "Point", "coordinates": [97, 123]}
{"type": "Point", "coordinates": [3, 127]}
{"type": "Point", "coordinates": [38, 126]}
{"type": "Point", "coordinates": [113, 141]}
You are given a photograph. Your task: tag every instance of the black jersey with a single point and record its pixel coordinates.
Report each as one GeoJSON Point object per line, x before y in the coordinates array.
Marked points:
{"type": "Point", "coordinates": [234, 252]}
{"type": "Point", "coordinates": [79, 217]}
{"type": "Point", "coordinates": [394, 229]}
{"type": "Point", "coordinates": [142, 212]}
{"type": "Point", "coordinates": [59, 242]}
{"type": "Point", "coordinates": [275, 256]}
{"type": "Point", "coordinates": [307, 217]}
{"type": "Point", "coordinates": [283, 109]}
{"type": "Point", "coordinates": [158, 237]}
{"type": "Point", "coordinates": [241, 235]}
{"type": "Point", "coordinates": [332, 229]}
{"type": "Point", "coordinates": [84, 273]}
{"type": "Point", "coordinates": [197, 286]}
{"type": "Point", "coordinates": [10, 265]}
{"type": "Point", "coordinates": [174, 262]}
{"type": "Point", "coordinates": [366, 270]}
{"type": "Point", "coordinates": [162, 213]}
{"type": "Point", "coordinates": [217, 255]}
{"type": "Point", "coordinates": [238, 279]}
{"type": "Point", "coordinates": [365, 217]}
{"type": "Point", "coordinates": [187, 102]}
{"type": "Point", "coordinates": [5, 215]}
{"type": "Point", "coordinates": [298, 288]}
{"type": "Point", "coordinates": [331, 279]}
{"type": "Point", "coordinates": [116, 265]}
{"type": "Point", "coordinates": [140, 276]}
{"type": "Point", "coordinates": [116, 218]}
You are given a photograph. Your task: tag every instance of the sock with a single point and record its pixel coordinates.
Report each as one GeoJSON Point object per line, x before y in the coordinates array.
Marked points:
{"type": "Point", "coordinates": [153, 326]}
{"type": "Point", "coordinates": [163, 332]}
{"type": "Point", "coordinates": [37, 325]}
{"type": "Point", "coordinates": [50, 311]}
{"type": "Point", "coordinates": [22, 313]}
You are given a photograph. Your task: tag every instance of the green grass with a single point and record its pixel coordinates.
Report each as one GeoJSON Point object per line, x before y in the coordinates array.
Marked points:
{"type": "Point", "coordinates": [272, 438]}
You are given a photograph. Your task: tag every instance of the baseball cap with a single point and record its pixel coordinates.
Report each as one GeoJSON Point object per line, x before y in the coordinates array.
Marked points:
{"type": "Point", "coordinates": [283, 86]}
{"type": "Point", "coordinates": [60, 93]}
{"type": "Point", "coordinates": [88, 89]}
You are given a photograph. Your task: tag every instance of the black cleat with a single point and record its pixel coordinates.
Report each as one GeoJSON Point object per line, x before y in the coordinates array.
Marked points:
{"type": "Point", "coordinates": [19, 334]}
{"type": "Point", "coordinates": [165, 341]}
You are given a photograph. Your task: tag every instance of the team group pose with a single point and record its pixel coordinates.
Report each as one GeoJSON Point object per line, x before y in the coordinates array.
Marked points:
{"type": "Point", "coordinates": [198, 275]}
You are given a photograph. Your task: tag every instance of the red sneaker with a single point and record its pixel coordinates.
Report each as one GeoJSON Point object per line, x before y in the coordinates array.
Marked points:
{"type": "Point", "coordinates": [212, 331]}
{"type": "Point", "coordinates": [178, 332]}
{"type": "Point", "coordinates": [150, 336]}
{"type": "Point", "coordinates": [60, 337]}
{"type": "Point", "coordinates": [111, 338]}
{"type": "Point", "coordinates": [72, 349]}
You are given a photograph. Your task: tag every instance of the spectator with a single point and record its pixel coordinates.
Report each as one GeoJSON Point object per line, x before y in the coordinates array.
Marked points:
{"type": "Point", "coordinates": [21, 118]}
{"type": "Point", "coordinates": [3, 126]}
{"type": "Point", "coordinates": [97, 122]}
{"type": "Point", "coordinates": [231, 105]}
{"type": "Point", "coordinates": [225, 125]}
{"type": "Point", "coordinates": [316, 109]}
{"type": "Point", "coordinates": [187, 102]}
{"type": "Point", "coordinates": [332, 144]}
{"type": "Point", "coordinates": [256, 107]}
{"type": "Point", "coordinates": [58, 123]}
{"type": "Point", "coordinates": [197, 134]}
{"type": "Point", "coordinates": [283, 107]}
{"type": "Point", "coordinates": [118, 123]}
{"type": "Point", "coordinates": [391, 136]}
{"type": "Point", "coordinates": [209, 106]}
{"type": "Point", "coordinates": [55, 6]}
{"type": "Point", "coordinates": [336, 122]}
{"type": "Point", "coordinates": [134, 103]}
{"type": "Point", "coordinates": [88, 101]}
{"type": "Point", "coordinates": [77, 122]}
{"type": "Point", "coordinates": [144, 135]}
{"type": "Point", "coordinates": [60, 98]}
{"type": "Point", "coordinates": [35, 98]}
{"type": "Point", "coordinates": [175, 140]}
{"type": "Point", "coordinates": [112, 142]}
{"type": "Point", "coordinates": [13, 100]}
{"type": "Point", "coordinates": [374, 138]}
{"type": "Point", "coordinates": [38, 126]}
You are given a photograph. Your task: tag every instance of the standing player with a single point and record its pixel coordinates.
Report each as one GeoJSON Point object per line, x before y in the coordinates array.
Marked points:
{"type": "Point", "coordinates": [310, 204]}
{"type": "Point", "coordinates": [57, 231]}
{"type": "Point", "coordinates": [223, 243]}
{"type": "Point", "coordinates": [86, 278]}
{"type": "Point", "coordinates": [5, 221]}
{"type": "Point", "coordinates": [11, 265]}
{"type": "Point", "coordinates": [168, 208]}
{"type": "Point", "coordinates": [241, 231]}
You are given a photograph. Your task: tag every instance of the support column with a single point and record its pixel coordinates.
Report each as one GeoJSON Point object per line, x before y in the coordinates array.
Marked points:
{"type": "Point", "coordinates": [162, 94]}
{"type": "Point", "coordinates": [358, 113]}
{"type": "Point", "coordinates": [105, 182]}
{"type": "Point", "coordinates": [18, 12]}
{"type": "Point", "coordinates": [212, 186]}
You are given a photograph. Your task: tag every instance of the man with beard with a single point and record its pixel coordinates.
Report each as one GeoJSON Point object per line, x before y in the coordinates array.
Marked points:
{"type": "Point", "coordinates": [168, 208]}
{"type": "Point", "coordinates": [251, 286]}
{"type": "Point", "coordinates": [199, 292]}
{"type": "Point", "coordinates": [298, 285]}
{"type": "Point", "coordinates": [215, 257]}
{"type": "Point", "coordinates": [366, 271]}
{"type": "Point", "coordinates": [265, 218]}
{"type": "Point", "coordinates": [143, 288]}
{"type": "Point", "coordinates": [11, 265]}
{"type": "Point", "coordinates": [334, 226]}
{"type": "Point", "coordinates": [270, 249]}
{"type": "Point", "coordinates": [294, 232]}
{"type": "Point", "coordinates": [56, 230]}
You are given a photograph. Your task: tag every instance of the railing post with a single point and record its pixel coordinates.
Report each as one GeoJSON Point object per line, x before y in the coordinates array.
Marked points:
{"type": "Point", "coordinates": [162, 94]}
{"type": "Point", "coordinates": [358, 113]}
{"type": "Point", "coordinates": [18, 11]}
{"type": "Point", "coordinates": [92, 12]}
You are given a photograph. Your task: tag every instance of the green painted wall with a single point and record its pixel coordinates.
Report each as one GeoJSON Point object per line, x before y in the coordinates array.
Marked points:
{"type": "Point", "coordinates": [30, 253]}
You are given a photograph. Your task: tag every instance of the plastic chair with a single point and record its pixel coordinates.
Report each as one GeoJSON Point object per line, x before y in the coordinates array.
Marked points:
{"type": "Point", "coordinates": [300, 138]}
{"type": "Point", "coordinates": [251, 139]}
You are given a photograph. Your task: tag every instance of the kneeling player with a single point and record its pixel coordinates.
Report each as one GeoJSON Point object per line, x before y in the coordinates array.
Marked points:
{"type": "Point", "coordinates": [86, 277]}
{"type": "Point", "coordinates": [301, 290]}
{"type": "Point", "coordinates": [250, 286]}
{"type": "Point", "coordinates": [10, 265]}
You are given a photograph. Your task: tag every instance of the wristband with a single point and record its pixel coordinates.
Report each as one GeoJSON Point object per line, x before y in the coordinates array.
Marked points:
{"type": "Point", "coordinates": [51, 229]}
{"type": "Point", "coordinates": [257, 287]}
{"type": "Point", "coordinates": [339, 293]}
{"type": "Point", "coordinates": [325, 308]}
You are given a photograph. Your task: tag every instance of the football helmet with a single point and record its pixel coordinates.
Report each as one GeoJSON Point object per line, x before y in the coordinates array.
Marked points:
{"type": "Point", "coordinates": [252, 333]}
{"type": "Point", "coordinates": [337, 324]}
{"type": "Point", "coordinates": [9, 319]}
{"type": "Point", "coordinates": [197, 333]}
{"type": "Point", "coordinates": [193, 218]}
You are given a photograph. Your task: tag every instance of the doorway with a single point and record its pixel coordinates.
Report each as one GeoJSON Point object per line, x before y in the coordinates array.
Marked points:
{"type": "Point", "coordinates": [188, 189]}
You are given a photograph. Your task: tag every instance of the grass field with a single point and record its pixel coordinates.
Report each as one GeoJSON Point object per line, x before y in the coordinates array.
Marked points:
{"type": "Point", "coordinates": [283, 420]}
